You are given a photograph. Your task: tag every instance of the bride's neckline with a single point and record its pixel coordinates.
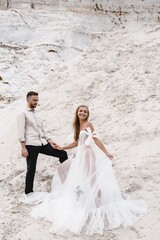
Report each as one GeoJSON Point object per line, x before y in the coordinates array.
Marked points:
{"type": "Point", "coordinates": [85, 129]}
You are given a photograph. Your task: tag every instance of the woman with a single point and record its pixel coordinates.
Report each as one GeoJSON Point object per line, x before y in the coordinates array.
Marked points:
{"type": "Point", "coordinates": [85, 191]}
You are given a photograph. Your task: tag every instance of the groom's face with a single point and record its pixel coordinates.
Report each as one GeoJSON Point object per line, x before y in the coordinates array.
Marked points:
{"type": "Point", "coordinates": [33, 101]}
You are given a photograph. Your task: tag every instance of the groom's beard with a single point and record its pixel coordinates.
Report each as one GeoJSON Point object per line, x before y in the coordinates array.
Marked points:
{"type": "Point", "coordinates": [33, 105]}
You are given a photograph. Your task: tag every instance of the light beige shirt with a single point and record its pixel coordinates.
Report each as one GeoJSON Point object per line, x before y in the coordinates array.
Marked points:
{"type": "Point", "coordinates": [31, 129]}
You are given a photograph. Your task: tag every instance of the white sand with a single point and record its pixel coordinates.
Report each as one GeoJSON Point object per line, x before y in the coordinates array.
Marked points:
{"type": "Point", "coordinates": [115, 71]}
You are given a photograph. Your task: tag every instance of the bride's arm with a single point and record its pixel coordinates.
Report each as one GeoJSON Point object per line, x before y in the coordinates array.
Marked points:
{"type": "Point", "coordinates": [99, 143]}
{"type": "Point", "coordinates": [102, 147]}
{"type": "Point", "coordinates": [72, 145]}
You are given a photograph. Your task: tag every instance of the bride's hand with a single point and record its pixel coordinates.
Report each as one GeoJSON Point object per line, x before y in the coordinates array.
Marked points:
{"type": "Point", "coordinates": [53, 144]}
{"type": "Point", "coordinates": [56, 146]}
{"type": "Point", "coordinates": [110, 156]}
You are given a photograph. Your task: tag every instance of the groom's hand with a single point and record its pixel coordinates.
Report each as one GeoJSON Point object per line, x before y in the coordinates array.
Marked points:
{"type": "Point", "coordinates": [53, 144]}
{"type": "Point", "coordinates": [56, 146]}
{"type": "Point", "coordinates": [24, 152]}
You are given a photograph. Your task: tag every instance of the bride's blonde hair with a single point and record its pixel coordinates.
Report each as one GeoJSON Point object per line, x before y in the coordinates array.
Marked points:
{"type": "Point", "coordinates": [76, 123]}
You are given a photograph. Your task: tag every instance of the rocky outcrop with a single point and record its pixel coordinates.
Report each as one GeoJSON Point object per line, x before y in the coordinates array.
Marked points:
{"type": "Point", "coordinates": [120, 10]}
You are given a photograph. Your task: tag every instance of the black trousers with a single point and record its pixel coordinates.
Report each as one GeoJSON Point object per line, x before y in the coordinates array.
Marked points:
{"type": "Point", "coordinates": [33, 152]}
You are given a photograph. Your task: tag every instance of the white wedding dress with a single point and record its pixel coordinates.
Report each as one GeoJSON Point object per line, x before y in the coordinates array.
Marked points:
{"type": "Point", "coordinates": [85, 195]}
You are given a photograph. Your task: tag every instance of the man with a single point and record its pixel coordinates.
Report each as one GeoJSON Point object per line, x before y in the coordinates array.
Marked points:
{"type": "Point", "coordinates": [34, 139]}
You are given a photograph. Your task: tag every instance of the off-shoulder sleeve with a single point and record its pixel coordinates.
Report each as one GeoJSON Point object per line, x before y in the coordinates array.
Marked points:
{"type": "Point", "coordinates": [90, 135]}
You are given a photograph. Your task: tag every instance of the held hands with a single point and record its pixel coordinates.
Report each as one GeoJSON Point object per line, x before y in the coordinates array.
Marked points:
{"type": "Point", "coordinates": [52, 143]}
{"type": "Point", "coordinates": [55, 145]}
{"type": "Point", "coordinates": [58, 147]}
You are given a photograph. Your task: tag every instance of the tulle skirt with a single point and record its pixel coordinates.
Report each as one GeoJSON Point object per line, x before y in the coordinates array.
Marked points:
{"type": "Point", "coordinates": [86, 197]}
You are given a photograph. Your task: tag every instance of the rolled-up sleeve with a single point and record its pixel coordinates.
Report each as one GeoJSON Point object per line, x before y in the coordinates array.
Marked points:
{"type": "Point", "coordinates": [21, 127]}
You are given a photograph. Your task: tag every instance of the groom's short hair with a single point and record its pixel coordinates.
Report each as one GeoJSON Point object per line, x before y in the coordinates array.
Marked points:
{"type": "Point", "coordinates": [31, 93]}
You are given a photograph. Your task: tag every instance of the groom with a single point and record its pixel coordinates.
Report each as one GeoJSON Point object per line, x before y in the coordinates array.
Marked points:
{"type": "Point", "coordinates": [34, 139]}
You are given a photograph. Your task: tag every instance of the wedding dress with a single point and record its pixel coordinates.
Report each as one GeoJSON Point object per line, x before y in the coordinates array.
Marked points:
{"type": "Point", "coordinates": [85, 195]}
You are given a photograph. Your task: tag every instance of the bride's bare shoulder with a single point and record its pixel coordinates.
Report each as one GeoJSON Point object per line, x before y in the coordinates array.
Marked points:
{"type": "Point", "coordinates": [90, 125]}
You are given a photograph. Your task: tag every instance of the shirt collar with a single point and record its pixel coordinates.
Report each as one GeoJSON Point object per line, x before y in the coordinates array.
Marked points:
{"type": "Point", "coordinates": [30, 109]}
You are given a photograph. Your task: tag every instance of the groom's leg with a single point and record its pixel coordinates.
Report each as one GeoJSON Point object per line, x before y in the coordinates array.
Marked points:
{"type": "Point", "coordinates": [49, 150]}
{"type": "Point", "coordinates": [31, 166]}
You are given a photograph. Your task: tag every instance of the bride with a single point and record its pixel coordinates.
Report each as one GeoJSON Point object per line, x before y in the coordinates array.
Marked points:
{"type": "Point", "coordinates": [85, 194]}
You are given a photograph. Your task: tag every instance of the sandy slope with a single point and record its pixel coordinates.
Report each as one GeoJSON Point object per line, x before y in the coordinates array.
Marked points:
{"type": "Point", "coordinates": [116, 73]}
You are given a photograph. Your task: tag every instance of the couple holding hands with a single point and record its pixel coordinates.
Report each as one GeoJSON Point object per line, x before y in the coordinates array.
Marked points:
{"type": "Point", "coordinates": [84, 189]}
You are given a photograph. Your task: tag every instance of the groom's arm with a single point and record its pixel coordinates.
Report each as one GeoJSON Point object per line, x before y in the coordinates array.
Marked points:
{"type": "Point", "coordinates": [21, 133]}
{"type": "Point", "coordinates": [21, 127]}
